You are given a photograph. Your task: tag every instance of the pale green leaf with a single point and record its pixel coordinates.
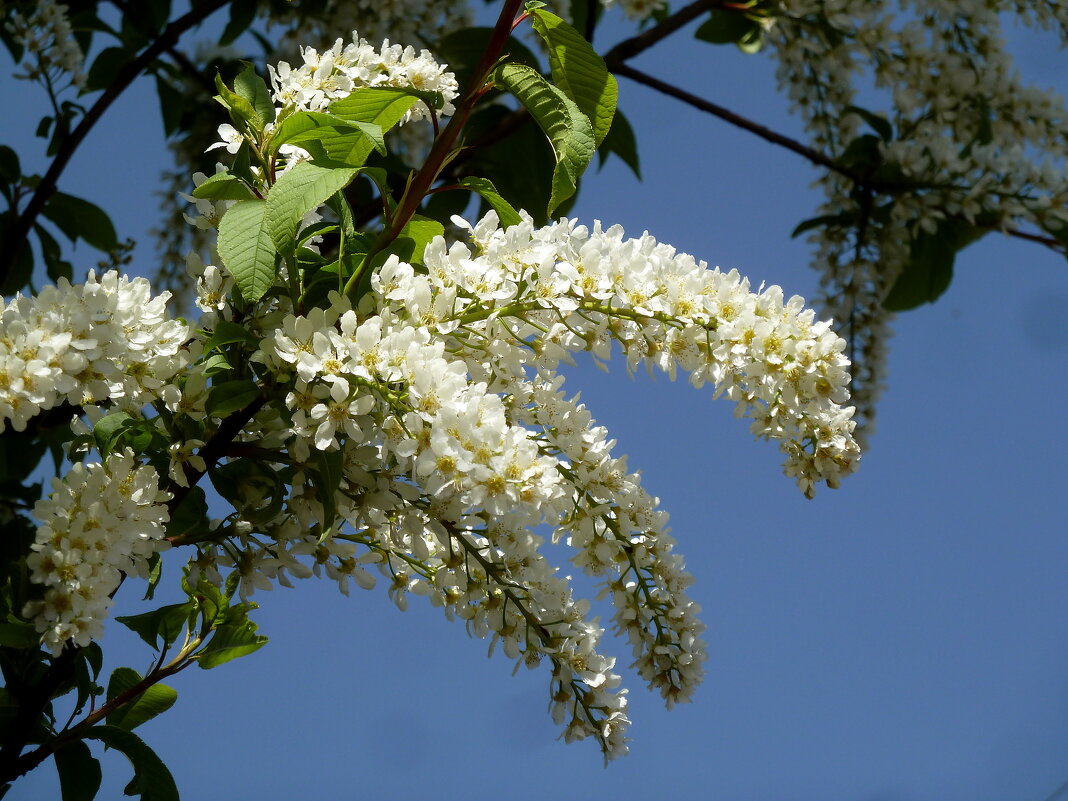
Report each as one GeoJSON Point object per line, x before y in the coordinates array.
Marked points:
{"type": "Point", "coordinates": [579, 71]}
{"type": "Point", "coordinates": [247, 249]}
{"type": "Point", "coordinates": [302, 188]}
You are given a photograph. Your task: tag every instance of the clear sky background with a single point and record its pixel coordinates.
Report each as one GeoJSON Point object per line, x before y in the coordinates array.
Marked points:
{"type": "Point", "coordinates": [904, 638]}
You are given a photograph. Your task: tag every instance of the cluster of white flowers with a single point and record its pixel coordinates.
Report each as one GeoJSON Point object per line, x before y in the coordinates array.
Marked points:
{"type": "Point", "coordinates": [100, 522]}
{"type": "Point", "coordinates": [335, 73]}
{"type": "Point", "coordinates": [971, 142]}
{"type": "Point", "coordinates": [454, 439]}
{"type": "Point", "coordinates": [47, 34]}
{"type": "Point", "coordinates": [105, 339]}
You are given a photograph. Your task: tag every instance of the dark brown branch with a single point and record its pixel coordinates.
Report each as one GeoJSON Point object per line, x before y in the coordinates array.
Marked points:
{"type": "Point", "coordinates": [631, 47]}
{"type": "Point", "coordinates": [815, 156]}
{"type": "Point", "coordinates": [435, 160]}
{"type": "Point", "coordinates": [215, 449]}
{"type": "Point", "coordinates": [45, 189]}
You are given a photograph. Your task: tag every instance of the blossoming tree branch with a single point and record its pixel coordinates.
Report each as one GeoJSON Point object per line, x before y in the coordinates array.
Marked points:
{"type": "Point", "coordinates": [371, 389]}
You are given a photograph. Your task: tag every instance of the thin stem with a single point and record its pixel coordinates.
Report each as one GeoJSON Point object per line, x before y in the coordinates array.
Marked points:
{"type": "Point", "coordinates": [47, 187]}
{"type": "Point", "coordinates": [442, 147]}
{"type": "Point", "coordinates": [631, 47]}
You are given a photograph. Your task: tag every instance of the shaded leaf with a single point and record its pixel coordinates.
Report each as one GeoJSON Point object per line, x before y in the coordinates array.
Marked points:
{"type": "Point", "coordinates": [79, 772]}
{"type": "Point", "coordinates": [155, 700]}
{"type": "Point", "coordinates": [152, 781]}
{"type": "Point", "coordinates": [569, 130]}
{"type": "Point", "coordinates": [80, 219]}
{"type": "Point", "coordinates": [164, 624]}
{"type": "Point", "coordinates": [225, 399]}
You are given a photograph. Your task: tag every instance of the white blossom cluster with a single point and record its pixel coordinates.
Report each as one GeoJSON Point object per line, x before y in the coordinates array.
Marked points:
{"type": "Point", "coordinates": [971, 141]}
{"type": "Point", "coordinates": [455, 440]}
{"type": "Point", "coordinates": [105, 339]}
{"type": "Point", "coordinates": [335, 73]}
{"type": "Point", "coordinates": [101, 521]}
{"type": "Point", "coordinates": [47, 34]}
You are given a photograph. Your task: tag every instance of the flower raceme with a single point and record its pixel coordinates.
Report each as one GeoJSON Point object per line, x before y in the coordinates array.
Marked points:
{"type": "Point", "coordinates": [419, 429]}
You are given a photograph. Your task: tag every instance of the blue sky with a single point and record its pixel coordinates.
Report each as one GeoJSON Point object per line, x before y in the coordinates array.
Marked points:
{"type": "Point", "coordinates": [901, 639]}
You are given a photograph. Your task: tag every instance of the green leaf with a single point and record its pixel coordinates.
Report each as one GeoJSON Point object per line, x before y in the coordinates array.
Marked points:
{"type": "Point", "coordinates": [621, 141]}
{"type": "Point", "coordinates": [252, 87]}
{"type": "Point", "coordinates": [727, 27]}
{"type": "Point", "coordinates": [242, 13]}
{"type": "Point", "coordinates": [303, 188]}
{"type": "Point", "coordinates": [246, 248]}
{"type": "Point", "coordinates": [154, 700]}
{"type": "Point", "coordinates": [19, 634]}
{"type": "Point", "coordinates": [106, 68]}
{"type": "Point", "coordinates": [251, 487]}
{"type": "Point", "coordinates": [225, 399]}
{"type": "Point", "coordinates": [242, 112]}
{"type": "Point", "coordinates": [331, 140]}
{"type": "Point", "coordinates": [80, 219]}
{"type": "Point", "coordinates": [462, 50]}
{"type": "Point", "coordinates": [384, 107]}
{"type": "Point", "coordinates": [569, 130]}
{"type": "Point", "coordinates": [10, 169]}
{"type": "Point", "coordinates": [223, 186]}
{"type": "Point", "coordinates": [54, 264]}
{"type": "Point", "coordinates": [152, 781]}
{"type": "Point", "coordinates": [79, 772]}
{"type": "Point", "coordinates": [231, 641]}
{"type": "Point", "coordinates": [421, 230]}
{"type": "Point", "coordinates": [579, 72]}
{"type": "Point", "coordinates": [880, 125]}
{"type": "Point", "coordinates": [929, 270]}
{"type": "Point", "coordinates": [191, 515]}
{"type": "Point", "coordinates": [165, 623]}
{"type": "Point", "coordinates": [227, 333]}
{"type": "Point", "coordinates": [485, 188]}
{"type": "Point", "coordinates": [22, 265]}
{"type": "Point", "coordinates": [107, 430]}
{"type": "Point", "coordinates": [328, 476]}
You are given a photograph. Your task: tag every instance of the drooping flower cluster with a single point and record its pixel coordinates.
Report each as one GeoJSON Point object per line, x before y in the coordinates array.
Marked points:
{"type": "Point", "coordinates": [454, 439]}
{"type": "Point", "coordinates": [968, 141]}
{"type": "Point", "coordinates": [105, 339]}
{"type": "Point", "coordinates": [46, 33]}
{"type": "Point", "coordinates": [335, 73]}
{"type": "Point", "coordinates": [101, 521]}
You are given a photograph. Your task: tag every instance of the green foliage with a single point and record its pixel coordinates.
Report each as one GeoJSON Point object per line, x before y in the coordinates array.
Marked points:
{"type": "Point", "coordinates": [80, 219]}
{"type": "Point", "coordinates": [232, 396]}
{"type": "Point", "coordinates": [247, 249]}
{"type": "Point", "coordinates": [569, 130]}
{"type": "Point", "coordinates": [303, 188]}
{"type": "Point", "coordinates": [160, 627]}
{"type": "Point", "coordinates": [151, 701]}
{"type": "Point", "coordinates": [732, 26]}
{"type": "Point", "coordinates": [579, 72]}
{"type": "Point", "coordinates": [79, 772]}
{"type": "Point", "coordinates": [506, 213]}
{"type": "Point", "coordinates": [224, 186]}
{"type": "Point", "coordinates": [620, 141]}
{"type": "Point", "coordinates": [930, 266]}
{"type": "Point", "coordinates": [252, 88]}
{"type": "Point", "coordinates": [151, 781]}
